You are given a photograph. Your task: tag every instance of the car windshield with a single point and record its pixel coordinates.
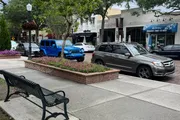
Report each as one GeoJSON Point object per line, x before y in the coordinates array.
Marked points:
{"type": "Point", "coordinates": [32, 45]}
{"type": "Point", "coordinates": [137, 49]}
{"type": "Point", "coordinates": [60, 42]}
{"type": "Point", "coordinates": [87, 44]}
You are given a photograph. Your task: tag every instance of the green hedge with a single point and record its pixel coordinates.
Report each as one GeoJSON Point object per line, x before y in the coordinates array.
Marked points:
{"type": "Point", "coordinates": [5, 40]}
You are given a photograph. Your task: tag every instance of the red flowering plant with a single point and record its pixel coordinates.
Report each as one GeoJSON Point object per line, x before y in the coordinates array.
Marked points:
{"type": "Point", "coordinates": [29, 25]}
{"type": "Point", "coordinates": [71, 65]}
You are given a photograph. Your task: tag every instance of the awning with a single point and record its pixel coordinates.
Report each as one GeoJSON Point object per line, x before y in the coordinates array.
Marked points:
{"type": "Point", "coordinates": [172, 27]}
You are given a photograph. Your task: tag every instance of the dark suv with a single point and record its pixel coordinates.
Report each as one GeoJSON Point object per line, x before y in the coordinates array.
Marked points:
{"type": "Point", "coordinates": [132, 57]}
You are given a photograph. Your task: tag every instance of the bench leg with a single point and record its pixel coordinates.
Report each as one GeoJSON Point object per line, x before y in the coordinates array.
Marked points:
{"type": "Point", "coordinates": [44, 112]}
{"type": "Point", "coordinates": [7, 96]}
{"type": "Point", "coordinates": [65, 114]}
{"type": "Point", "coordinates": [65, 111]}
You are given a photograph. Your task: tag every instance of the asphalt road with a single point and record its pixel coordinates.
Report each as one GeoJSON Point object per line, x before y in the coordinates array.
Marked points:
{"type": "Point", "coordinates": [174, 78]}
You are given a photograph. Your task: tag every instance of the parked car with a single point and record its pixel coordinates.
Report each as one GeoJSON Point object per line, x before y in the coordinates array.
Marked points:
{"type": "Point", "coordinates": [13, 45]}
{"type": "Point", "coordinates": [172, 51]}
{"type": "Point", "coordinates": [85, 46]}
{"type": "Point", "coordinates": [23, 48]}
{"type": "Point", "coordinates": [53, 48]}
{"type": "Point", "coordinates": [132, 58]}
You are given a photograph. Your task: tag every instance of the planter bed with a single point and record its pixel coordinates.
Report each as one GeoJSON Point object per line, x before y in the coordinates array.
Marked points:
{"type": "Point", "coordinates": [84, 78]}
{"type": "Point", "coordinates": [9, 56]}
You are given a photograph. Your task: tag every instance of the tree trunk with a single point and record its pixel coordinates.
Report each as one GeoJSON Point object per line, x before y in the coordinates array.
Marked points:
{"type": "Point", "coordinates": [102, 29]}
{"type": "Point", "coordinates": [65, 38]}
{"type": "Point", "coordinates": [18, 36]}
{"type": "Point", "coordinates": [56, 36]}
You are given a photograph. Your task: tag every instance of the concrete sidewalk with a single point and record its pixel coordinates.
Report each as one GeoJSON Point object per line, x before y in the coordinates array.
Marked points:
{"type": "Point", "coordinates": [127, 98]}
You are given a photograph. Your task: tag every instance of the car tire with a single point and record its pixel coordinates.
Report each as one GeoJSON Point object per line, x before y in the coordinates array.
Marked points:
{"type": "Point", "coordinates": [144, 72]}
{"type": "Point", "coordinates": [59, 55]}
{"type": "Point", "coordinates": [42, 53]}
{"type": "Point", "coordinates": [99, 62]}
{"type": "Point", "coordinates": [80, 59]}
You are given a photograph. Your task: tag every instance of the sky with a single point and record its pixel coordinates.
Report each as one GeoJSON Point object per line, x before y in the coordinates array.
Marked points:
{"type": "Point", "coordinates": [134, 5]}
{"type": "Point", "coordinates": [5, 1]}
{"type": "Point", "coordinates": [122, 7]}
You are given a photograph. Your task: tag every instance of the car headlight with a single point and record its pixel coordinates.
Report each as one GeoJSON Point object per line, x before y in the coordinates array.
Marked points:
{"type": "Point", "coordinates": [158, 64]}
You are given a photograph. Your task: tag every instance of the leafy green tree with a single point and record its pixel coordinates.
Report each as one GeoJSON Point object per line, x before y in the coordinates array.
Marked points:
{"type": "Point", "coordinates": [5, 43]}
{"type": "Point", "coordinates": [171, 5]}
{"type": "Point", "coordinates": [16, 14]}
{"type": "Point", "coordinates": [54, 21]}
{"type": "Point", "coordinates": [102, 10]}
{"type": "Point", "coordinates": [71, 11]}
{"type": "Point", "coordinates": [57, 25]}
{"type": "Point", "coordinates": [1, 1]}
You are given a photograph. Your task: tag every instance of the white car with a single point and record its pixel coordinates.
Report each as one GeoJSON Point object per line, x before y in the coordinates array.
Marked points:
{"type": "Point", "coordinates": [85, 46]}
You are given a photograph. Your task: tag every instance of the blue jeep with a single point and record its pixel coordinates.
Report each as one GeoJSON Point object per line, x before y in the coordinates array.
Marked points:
{"type": "Point", "coordinates": [51, 47]}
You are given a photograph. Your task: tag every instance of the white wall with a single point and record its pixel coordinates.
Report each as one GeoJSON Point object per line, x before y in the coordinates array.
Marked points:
{"type": "Point", "coordinates": [89, 26]}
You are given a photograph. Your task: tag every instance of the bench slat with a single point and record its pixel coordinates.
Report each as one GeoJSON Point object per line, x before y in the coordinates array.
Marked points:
{"type": "Point", "coordinates": [53, 99]}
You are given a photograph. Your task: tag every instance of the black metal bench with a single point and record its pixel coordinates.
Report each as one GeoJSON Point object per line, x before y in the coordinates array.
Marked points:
{"type": "Point", "coordinates": [26, 88]}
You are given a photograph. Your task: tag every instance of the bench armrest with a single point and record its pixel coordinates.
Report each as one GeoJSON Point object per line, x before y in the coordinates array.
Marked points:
{"type": "Point", "coordinates": [56, 93]}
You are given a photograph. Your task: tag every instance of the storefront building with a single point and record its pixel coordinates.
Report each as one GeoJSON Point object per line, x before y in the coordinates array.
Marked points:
{"type": "Point", "coordinates": [111, 29]}
{"type": "Point", "coordinates": [150, 31]}
{"type": "Point", "coordinates": [160, 34]}
{"type": "Point", "coordinates": [89, 30]}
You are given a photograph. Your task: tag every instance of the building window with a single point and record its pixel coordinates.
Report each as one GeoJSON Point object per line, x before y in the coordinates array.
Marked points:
{"type": "Point", "coordinates": [137, 35]}
{"type": "Point", "coordinates": [109, 35]}
{"type": "Point", "coordinates": [162, 39]}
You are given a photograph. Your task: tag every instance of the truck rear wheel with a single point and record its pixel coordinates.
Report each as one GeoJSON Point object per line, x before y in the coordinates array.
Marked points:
{"type": "Point", "coordinates": [80, 59]}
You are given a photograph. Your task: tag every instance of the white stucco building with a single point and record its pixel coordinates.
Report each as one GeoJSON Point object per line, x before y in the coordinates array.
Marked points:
{"type": "Point", "coordinates": [89, 31]}
{"type": "Point", "coordinates": [145, 29]}
{"type": "Point", "coordinates": [149, 30]}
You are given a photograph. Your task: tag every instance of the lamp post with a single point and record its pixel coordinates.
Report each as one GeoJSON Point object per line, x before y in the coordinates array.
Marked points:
{"type": "Point", "coordinates": [29, 9]}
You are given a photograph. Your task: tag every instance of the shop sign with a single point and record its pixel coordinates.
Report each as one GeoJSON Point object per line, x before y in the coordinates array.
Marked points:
{"type": "Point", "coordinates": [172, 27]}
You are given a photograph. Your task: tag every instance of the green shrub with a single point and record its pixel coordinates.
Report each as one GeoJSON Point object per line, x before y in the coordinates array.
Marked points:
{"type": "Point", "coordinates": [5, 40]}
